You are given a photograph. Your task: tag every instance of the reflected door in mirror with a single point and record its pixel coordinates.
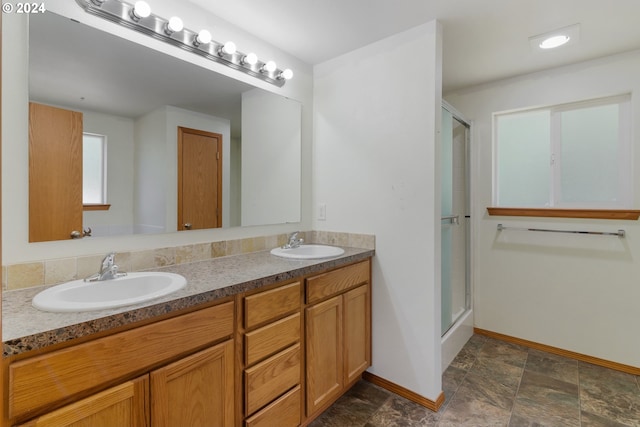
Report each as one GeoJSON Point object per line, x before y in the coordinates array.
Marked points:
{"type": "Point", "coordinates": [199, 179]}
{"type": "Point", "coordinates": [55, 173]}
{"type": "Point", "coordinates": [260, 187]}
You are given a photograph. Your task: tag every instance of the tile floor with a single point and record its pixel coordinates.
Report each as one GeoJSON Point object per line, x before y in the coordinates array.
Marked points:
{"type": "Point", "coordinates": [495, 383]}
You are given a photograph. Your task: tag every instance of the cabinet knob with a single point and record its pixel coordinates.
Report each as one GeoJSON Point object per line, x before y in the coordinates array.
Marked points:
{"type": "Point", "coordinates": [75, 234]}
{"type": "Point", "coordinates": [187, 226]}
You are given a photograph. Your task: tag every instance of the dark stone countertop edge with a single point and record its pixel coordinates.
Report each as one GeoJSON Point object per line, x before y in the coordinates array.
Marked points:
{"type": "Point", "coordinates": [128, 315]}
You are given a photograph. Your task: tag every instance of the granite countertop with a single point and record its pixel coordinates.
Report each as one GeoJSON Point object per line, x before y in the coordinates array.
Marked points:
{"type": "Point", "coordinates": [25, 328]}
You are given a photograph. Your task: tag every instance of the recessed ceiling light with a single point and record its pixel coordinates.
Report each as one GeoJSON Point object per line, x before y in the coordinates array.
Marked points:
{"type": "Point", "coordinates": [552, 39]}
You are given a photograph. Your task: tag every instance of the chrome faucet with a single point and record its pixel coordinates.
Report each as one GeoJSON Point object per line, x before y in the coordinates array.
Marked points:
{"type": "Point", "coordinates": [294, 241]}
{"type": "Point", "coordinates": [108, 270]}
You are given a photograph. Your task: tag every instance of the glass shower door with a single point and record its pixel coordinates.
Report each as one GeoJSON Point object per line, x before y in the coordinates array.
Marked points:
{"type": "Point", "coordinates": [454, 220]}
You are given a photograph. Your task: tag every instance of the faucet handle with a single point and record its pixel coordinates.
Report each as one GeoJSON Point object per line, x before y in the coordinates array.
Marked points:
{"type": "Point", "coordinates": [108, 260]}
{"type": "Point", "coordinates": [293, 241]}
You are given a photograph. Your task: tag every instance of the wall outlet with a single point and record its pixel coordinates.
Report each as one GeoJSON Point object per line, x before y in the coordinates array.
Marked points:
{"type": "Point", "coordinates": [322, 212]}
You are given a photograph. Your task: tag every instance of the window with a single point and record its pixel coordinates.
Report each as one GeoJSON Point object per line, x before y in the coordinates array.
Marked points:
{"type": "Point", "coordinates": [94, 171]}
{"type": "Point", "coordinates": [568, 156]}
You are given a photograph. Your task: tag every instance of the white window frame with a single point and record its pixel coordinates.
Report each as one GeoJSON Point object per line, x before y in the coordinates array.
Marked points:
{"type": "Point", "coordinates": [104, 168]}
{"type": "Point", "coordinates": [625, 154]}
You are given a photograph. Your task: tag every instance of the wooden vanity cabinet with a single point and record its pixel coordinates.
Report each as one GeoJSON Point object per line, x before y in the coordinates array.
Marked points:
{"type": "Point", "coordinates": [196, 390]}
{"type": "Point", "coordinates": [272, 356]}
{"type": "Point", "coordinates": [338, 333]}
{"type": "Point", "coordinates": [177, 371]}
{"type": "Point", "coordinates": [304, 346]}
{"type": "Point", "coordinates": [325, 343]}
{"type": "Point", "coordinates": [122, 405]}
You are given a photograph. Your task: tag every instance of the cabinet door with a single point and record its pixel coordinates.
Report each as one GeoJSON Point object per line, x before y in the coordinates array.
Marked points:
{"type": "Point", "coordinates": [357, 332]}
{"type": "Point", "coordinates": [195, 391]}
{"type": "Point", "coordinates": [123, 405]}
{"type": "Point", "coordinates": [324, 352]}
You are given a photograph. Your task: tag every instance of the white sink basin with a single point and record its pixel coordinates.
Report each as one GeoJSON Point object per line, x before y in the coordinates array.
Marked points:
{"type": "Point", "coordinates": [133, 288]}
{"type": "Point", "coordinates": [308, 252]}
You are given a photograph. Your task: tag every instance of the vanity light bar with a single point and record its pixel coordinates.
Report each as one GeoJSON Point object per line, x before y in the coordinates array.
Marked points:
{"type": "Point", "coordinates": [152, 25]}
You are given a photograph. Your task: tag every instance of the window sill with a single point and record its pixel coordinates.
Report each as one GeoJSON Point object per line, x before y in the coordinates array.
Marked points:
{"type": "Point", "coordinates": [620, 214]}
{"type": "Point", "coordinates": [95, 207]}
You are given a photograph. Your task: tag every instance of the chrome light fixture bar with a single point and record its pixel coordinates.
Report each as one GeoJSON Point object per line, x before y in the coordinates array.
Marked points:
{"type": "Point", "coordinates": [138, 17]}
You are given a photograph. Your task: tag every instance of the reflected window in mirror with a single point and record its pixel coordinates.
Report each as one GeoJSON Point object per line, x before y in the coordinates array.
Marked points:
{"type": "Point", "coordinates": [94, 171]}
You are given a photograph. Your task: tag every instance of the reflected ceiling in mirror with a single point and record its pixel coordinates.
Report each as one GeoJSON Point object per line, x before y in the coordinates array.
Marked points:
{"type": "Point", "coordinates": [77, 67]}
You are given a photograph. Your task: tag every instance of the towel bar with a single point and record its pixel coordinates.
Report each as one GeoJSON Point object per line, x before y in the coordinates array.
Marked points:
{"type": "Point", "coordinates": [619, 233]}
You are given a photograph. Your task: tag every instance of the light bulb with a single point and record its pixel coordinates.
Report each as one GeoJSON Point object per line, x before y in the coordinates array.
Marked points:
{"type": "Point", "coordinates": [286, 74]}
{"type": "Point", "coordinates": [140, 10]}
{"type": "Point", "coordinates": [250, 58]}
{"type": "Point", "coordinates": [554, 41]}
{"type": "Point", "coordinates": [174, 25]}
{"type": "Point", "coordinates": [203, 37]}
{"type": "Point", "coordinates": [229, 48]}
{"type": "Point", "coordinates": [269, 66]}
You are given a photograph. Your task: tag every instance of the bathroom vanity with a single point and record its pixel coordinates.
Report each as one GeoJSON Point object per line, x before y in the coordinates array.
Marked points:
{"type": "Point", "coordinates": [252, 340]}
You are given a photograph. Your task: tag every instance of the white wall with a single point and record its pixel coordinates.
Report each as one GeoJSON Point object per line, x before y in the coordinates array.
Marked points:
{"type": "Point", "coordinates": [152, 172]}
{"type": "Point", "coordinates": [118, 219]}
{"type": "Point", "coordinates": [15, 125]}
{"type": "Point", "coordinates": [235, 183]}
{"type": "Point", "coordinates": [270, 159]}
{"type": "Point", "coordinates": [376, 145]}
{"type": "Point", "coordinates": [575, 292]}
{"type": "Point", "coordinates": [120, 146]}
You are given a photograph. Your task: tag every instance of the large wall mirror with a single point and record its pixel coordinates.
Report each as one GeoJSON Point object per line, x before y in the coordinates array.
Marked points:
{"type": "Point", "coordinates": [137, 99]}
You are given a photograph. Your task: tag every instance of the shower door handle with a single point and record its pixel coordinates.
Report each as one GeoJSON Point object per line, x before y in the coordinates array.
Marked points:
{"type": "Point", "coordinates": [453, 219]}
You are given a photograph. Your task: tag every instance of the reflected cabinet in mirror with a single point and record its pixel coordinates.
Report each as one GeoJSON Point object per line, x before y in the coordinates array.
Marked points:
{"type": "Point", "coordinates": [125, 139]}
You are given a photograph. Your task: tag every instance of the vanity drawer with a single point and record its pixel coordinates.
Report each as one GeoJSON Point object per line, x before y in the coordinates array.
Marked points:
{"type": "Point", "coordinates": [269, 305]}
{"type": "Point", "coordinates": [284, 412]}
{"type": "Point", "coordinates": [62, 374]}
{"type": "Point", "coordinates": [272, 338]}
{"type": "Point", "coordinates": [337, 281]}
{"type": "Point", "coordinates": [269, 379]}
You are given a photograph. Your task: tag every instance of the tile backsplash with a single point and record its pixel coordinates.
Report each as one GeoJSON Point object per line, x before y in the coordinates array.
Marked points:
{"type": "Point", "coordinates": [59, 270]}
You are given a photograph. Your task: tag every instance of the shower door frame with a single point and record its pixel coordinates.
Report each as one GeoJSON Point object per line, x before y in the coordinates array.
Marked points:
{"type": "Point", "coordinates": [466, 219]}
